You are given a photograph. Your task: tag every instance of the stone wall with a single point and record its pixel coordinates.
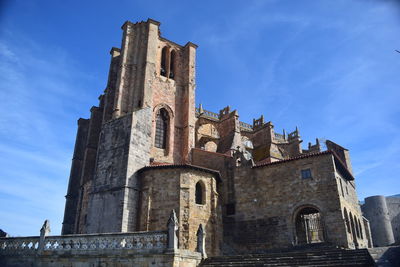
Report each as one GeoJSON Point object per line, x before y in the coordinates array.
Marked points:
{"type": "Point", "coordinates": [381, 212]}
{"type": "Point", "coordinates": [225, 165]}
{"type": "Point", "coordinates": [269, 197]}
{"type": "Point", "coordinates": [166, 188]}
{"type": "Point", "coordinates": [356, 232]}
{"type": "Point", "coordinates": [393, 204]}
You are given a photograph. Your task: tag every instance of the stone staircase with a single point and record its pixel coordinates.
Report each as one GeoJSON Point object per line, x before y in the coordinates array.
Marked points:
{"type": "Point", "coordinates": [386, 256]}
{"type": "Point", "coordinates": [319, 257]}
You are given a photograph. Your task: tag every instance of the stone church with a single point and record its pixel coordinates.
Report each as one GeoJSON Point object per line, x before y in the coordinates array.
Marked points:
{"type": "Point", "coordinates": [147, 150]}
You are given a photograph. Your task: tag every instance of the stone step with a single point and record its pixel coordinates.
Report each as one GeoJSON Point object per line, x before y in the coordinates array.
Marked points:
{"type": "Point", "coordinates": [285, 262]}
{"type": "Point", "coordinates": [320, 257]}
{"type": "Point", "coordinates": [283, 257]}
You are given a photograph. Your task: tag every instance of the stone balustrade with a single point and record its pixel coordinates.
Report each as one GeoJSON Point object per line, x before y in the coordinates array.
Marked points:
{"type": "Point", "coordinates": [279, 136]}
{"type": "Point", "coordinates": [136, 241]}
{"type": "Point", "coordinates": [28, 245]}
{"type": "Point", "coordinates": [245, 126]}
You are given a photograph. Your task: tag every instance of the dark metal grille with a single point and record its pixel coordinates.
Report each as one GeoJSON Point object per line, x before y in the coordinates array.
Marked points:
{"type": "Point", "coordinates": [309, 227]}
{"type": "Point", "coordinates": [160, 140]}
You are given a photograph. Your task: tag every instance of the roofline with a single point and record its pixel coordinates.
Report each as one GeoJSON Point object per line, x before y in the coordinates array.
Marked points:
{"type": "Point", "coordinates": [183, 166]}
{"type": "Point", "coordinates": [211, 152]}
{"type": "Point", "coordinates": [316, 154]}
{"type": "Point", "coordinates": [295, 158]}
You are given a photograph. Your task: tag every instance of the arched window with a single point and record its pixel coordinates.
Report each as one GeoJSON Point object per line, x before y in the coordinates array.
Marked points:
{"type": "Point", "coordinates": [160, 139]}
{"type": "Point", "coordinates": [199, 194]}
{"type": "Point", "coordinates": [172, 65]}
{"type": "Point", "coordinates": [163, 67]}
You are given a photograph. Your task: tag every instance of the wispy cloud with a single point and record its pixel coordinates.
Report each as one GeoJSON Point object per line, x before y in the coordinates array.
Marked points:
{"type": "Point", "coordinates": [42, 102]}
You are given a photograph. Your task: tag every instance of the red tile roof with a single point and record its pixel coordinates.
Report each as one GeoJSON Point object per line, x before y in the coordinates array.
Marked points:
{"type": "Point", "coordinates": [341, 166]}
{"type": "Point", "coordinates": [182, 166]}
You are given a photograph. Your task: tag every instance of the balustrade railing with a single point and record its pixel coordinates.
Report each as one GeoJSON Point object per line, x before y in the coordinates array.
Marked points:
{"type": "Point", "coordinates": [279, 136]}
{"type": "Point", "coordinates": [245, 126]}
{"type": "Point", "coordinates": [133, 241]}
{"type": "Point", "coordinates": [25, 244]}
{"type": "Point", "coordinates": [207, 113]}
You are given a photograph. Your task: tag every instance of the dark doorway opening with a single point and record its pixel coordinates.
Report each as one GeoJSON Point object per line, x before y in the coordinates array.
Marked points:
{"type": "Point", "coordinates": [309, 227]}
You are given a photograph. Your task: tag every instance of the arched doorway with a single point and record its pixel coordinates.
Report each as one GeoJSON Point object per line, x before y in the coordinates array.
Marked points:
{"type": "Point", "coordinates": [309, 226]}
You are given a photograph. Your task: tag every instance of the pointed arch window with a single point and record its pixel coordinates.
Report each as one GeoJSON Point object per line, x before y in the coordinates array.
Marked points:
{"type": "Point", "coordinates": [160, 140]}
{"type": "Point", "coordinates": [168, 62]}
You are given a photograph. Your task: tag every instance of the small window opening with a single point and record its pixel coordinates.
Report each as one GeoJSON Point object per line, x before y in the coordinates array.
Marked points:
{"type": "Point", "coordinates": [160, 140]}
{"type": "Point", "coordinates": [305, 174]}
{"type": "Point", "coordinates": [341, 186]}
{"type": "Point", "coordinates": [230, 209]}
{"type": "Point", "coordinates": [199, 193]}
{"type": "Point", "coordinates": [346, 218]}
{"type": "Point", "coordinates": [172, 65]}
{"type": "Point", "coordinates": [163, 68]}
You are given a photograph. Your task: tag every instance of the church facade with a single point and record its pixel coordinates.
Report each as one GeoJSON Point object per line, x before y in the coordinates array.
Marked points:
{"type": "Point", "coordinates": [147, 149]}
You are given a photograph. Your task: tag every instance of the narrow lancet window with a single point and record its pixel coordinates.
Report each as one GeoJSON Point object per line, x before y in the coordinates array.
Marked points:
{"type": "Point", "coordinates": [160, 140]}
{"type": "Point", "coordinates": [163, 67]}
{"type": "Point", "coordinates": [199, 193]}
{"type": "Point", "coordinates": [172, 65]}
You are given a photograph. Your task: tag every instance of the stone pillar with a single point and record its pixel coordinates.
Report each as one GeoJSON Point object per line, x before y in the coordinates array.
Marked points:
{"type": "Point", "coordinates": [173, 227]}
{"type": "Point", "coordinates": [201, 241]}
{"type": "Point", "coordinates": [376, 211]}
{"type": "Point", "coordinates": [44, 231]}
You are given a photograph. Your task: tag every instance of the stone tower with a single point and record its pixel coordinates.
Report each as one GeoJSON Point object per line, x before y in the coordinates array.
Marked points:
{"type": "Point", "coordinates": [151, 82]}
{"type": "Point", "coordinates": [377, 212]}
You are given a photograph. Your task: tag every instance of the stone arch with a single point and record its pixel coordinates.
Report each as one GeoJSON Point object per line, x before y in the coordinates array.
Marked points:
{"type": "Point", "coordinates": [207, 137]}
{"type": "Point", "coordinates": [308, 225]}
{"type": "Point", "coordinates": [165, 106]}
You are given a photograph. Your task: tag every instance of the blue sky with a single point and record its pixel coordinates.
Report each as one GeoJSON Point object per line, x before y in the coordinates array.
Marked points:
{"type": "Point", "coordinates": [328, 67]}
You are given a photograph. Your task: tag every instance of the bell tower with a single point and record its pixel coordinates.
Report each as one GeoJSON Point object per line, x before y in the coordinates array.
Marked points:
{"type": "Point", "coordinates": [147, 114]}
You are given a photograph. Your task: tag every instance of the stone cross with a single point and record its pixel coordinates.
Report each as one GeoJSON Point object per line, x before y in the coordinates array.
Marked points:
{"type": "Point", "coordinates": [173, 227]}
{"type": "Point", "coordinates": [201, 238]}
{"type": "Point", "coordinates": [44, 231]}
